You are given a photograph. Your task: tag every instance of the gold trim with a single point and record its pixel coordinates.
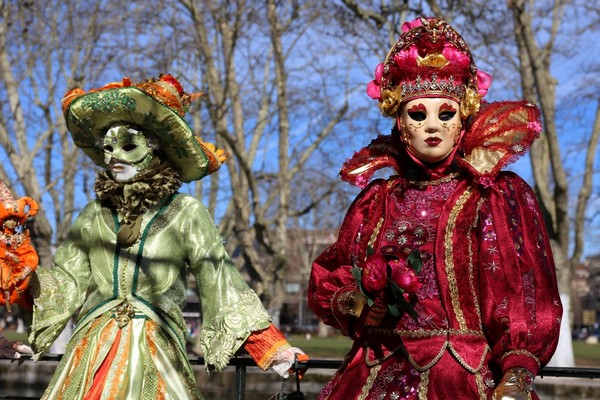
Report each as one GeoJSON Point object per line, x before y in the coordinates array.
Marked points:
{"type": "Point", "coordinates": [481, 387]}
{"type": "Point", "coordinates": [463, 362]}
{"type": "Point", "coordinates": [369, 383]}
{"type": "Point", "coordinates": [424, 376]}
{"type": "Point", "coordinates": [522, 353]}
{"type": "Point", "coordinates": [374, 235]}
{"type": "Point", "coordinates": [380, 359]}
{"type": "Point", "coordinates": [420, 333]}
{"type": "Point", "coordinates": [471, 268]}
{"type": "Point", "coordinates": [452, 284]}
{"type": "Point", "coordinates": [432, 362]}
{"type": "Point", "coordinates": [332, 306]}
{"type": "Point", "coordinates": [435, 182]}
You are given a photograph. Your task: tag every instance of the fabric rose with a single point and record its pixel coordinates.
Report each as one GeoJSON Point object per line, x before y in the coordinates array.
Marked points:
{"type": "Point", "coordinates": [404, 276]}
{"type": "Point", "coordinates": [374, 87]}
{"type": "Point", "coordinates": [408, 25]}
{"type": "Point", "coordinates": [486, 180]}
{"type": "Point", "coordinates": [374, 273]}
{"type": "Point", "coordinates": [484, 80]}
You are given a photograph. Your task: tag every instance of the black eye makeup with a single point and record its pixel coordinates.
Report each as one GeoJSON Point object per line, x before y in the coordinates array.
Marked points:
{"type": "Point", "coordinates": [417, 115]}
{"type": "Point", "coordinates": [447, 115]}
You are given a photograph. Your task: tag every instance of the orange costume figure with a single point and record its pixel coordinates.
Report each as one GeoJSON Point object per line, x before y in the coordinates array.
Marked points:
{"type": "Point", "coordinates": [18, 259]}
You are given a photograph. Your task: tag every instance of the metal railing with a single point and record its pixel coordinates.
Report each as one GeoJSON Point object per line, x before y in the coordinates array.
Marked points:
{"type": "Point", "coordinates": [242, 363]}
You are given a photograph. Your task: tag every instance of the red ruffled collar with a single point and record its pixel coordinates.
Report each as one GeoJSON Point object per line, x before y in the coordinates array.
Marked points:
{"type": "Point", "coordinates": [497, 135]}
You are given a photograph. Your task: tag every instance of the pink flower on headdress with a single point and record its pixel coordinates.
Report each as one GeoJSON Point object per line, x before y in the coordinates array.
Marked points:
{"type": "Point", "coordinates": [484, 80]}
{"type": "Point", "coordinates": [374, 87]}
{"type": "Point", "coordinates": [408, 25]}
{"type": "Point", "coordinates": [407, 57]}
{"type": "Point", "coordinates": [455, 56]}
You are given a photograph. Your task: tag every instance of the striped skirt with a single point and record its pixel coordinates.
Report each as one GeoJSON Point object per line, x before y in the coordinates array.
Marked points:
{"type": "Point", "coordinates": [137, 361]}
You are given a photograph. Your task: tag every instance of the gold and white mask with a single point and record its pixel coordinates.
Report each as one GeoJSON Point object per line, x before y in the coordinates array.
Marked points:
{"type": "Point", "coordinates": [127, 152]}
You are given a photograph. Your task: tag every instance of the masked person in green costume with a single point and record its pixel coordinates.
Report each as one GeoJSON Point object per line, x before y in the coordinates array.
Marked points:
{"type": "Point", "coordinates": [127, 257]}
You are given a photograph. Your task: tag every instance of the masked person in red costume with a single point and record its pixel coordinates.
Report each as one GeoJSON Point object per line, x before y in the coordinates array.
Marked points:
{"type": "Point", "coordinates": [442, 274]}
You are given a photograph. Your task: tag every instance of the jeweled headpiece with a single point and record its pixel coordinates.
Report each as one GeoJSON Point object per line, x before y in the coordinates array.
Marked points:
{"type": "Point", "coordinates": [429, 60]}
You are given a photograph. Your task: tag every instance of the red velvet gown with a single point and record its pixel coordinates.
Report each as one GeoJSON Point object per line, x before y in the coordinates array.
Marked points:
{"type": "Point", "coordinates": [488, 301]}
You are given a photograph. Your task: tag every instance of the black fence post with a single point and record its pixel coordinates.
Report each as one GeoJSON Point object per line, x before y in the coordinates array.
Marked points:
{"type": "Point", "coordinates": [240, 382]}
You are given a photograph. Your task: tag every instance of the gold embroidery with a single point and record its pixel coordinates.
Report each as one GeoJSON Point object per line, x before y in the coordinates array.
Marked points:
{"type": "Point", "coordinates": [423, 385]}
{"type": "Point", "coordinates": [463, 363]}
{"type": "Point", "coordinates": [369, 383]}
{"type": "Point", "coordinates": [448, 256]}
{"type": "Point", "coordinates": [124, 272]}
{"type": "Point", "coordinates": [332, 306]}
{"type": "Point", "coordinates": [521, 353]}
{"type": "Point", "coordinates": [380, 359]}
{"type": "Point", "coordinates": [481, 388]}
{"type": "Point", "coordinates": [420, 333]}
{"type": "Point", "coordinates": [119, 364]}
{"type": "Point", "coordinates": [432, 362]}
{"type": "Point", "coordinates": [471, 269]}
{"type": "Point", "coordinates": [434, 182]}
{"type": "Point", "coordinates": [375, 233]}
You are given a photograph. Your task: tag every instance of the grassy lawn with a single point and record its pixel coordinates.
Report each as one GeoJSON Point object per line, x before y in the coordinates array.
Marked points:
{"type": "Point", "coordinates": [586, 354]}
{"type": "Point", "coordinates": [333, 347]}
{"type": "Point", "coordinates": [13, 335]}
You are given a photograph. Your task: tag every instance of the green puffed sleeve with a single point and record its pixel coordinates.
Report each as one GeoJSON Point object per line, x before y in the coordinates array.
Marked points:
{"type": "Point", "coordinates": [231, 311]}
{"type": "Point", "coordinates": [62, 288]}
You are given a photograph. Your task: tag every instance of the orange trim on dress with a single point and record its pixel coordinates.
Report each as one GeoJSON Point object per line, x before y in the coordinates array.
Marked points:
{"type": "Point", "coordinates": [100, 377]}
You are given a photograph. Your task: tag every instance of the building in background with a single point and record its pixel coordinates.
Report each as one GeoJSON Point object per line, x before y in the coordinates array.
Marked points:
{"type": "Point", "coordinates": [585, 289]}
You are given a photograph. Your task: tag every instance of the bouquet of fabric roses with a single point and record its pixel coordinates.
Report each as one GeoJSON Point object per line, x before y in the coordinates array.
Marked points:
{"type": "Point", "coordinates": [392, 277]}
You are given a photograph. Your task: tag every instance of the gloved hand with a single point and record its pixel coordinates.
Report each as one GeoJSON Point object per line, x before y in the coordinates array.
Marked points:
{"type": "Point", "coordinates": [376, 312]}
{"type": "Point", "coordinates": [516, 384]}
{"type": "Point", "coordinates": [13, 350]}
{"type": "Point", "coordinates": [284, 360]}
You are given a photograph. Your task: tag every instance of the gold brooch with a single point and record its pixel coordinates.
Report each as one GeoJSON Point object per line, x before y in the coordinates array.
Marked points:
{"type": "Point", "coordinates": [124, 313]}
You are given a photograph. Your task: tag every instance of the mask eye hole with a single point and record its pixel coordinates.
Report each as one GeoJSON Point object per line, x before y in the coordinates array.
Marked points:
{"type": "Point", "coordinates": [129, 147]}
{"type": "Point", "coordinates": [417, 115]}
{"type": "Point", "coordinates": [447, 115]}
{"type": "Point", "coordinates": [108, 148]}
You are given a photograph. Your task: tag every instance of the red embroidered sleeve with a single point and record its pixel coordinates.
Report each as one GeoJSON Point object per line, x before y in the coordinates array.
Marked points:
{"type": "Point", "coordinates": [520, 303]}
{"type": "Point", "coordinates": [331, 281]}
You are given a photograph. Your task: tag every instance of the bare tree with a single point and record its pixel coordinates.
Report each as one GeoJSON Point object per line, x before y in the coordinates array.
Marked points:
{"type": "Point", "coordinates": [552, 182]}
{"type": "Point", "coordinates": [259, 82]}
{"type": "Point", "coordinates": [45, 49]}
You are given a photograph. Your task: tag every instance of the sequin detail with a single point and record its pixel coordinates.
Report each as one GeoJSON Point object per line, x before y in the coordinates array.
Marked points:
{"type": "Point", "coordinates": [416, 210]}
